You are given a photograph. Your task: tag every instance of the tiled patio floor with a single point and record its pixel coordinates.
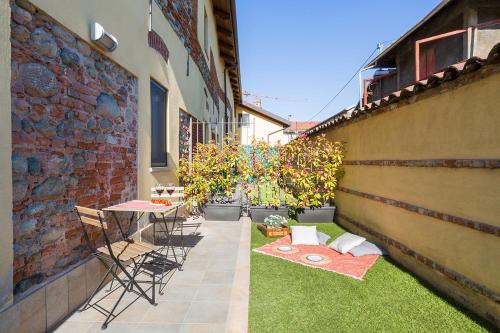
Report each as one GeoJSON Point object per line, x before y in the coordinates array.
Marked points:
{"type": "Point", "coordinates": [209, 295]}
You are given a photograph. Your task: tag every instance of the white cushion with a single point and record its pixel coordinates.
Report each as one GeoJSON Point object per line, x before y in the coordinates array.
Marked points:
{"type": "Point", "coordinates": [322, 237]}
{"type": "Point", "coordinates": [346, 242]}
{"type": "Point", "coordinates": [366, 248]}
{"type": "Point", "coordinates": [302, 235]}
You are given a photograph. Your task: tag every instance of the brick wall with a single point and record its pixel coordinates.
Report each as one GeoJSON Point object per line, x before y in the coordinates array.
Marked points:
{"type": "Point", "coordinates": [182, 16]}
{"type": "Point", "coordinates": [74, 140]}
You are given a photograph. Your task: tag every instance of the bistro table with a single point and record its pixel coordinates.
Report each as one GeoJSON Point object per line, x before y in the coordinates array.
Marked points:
{"type": "Point", "coordinates": [160, 213]}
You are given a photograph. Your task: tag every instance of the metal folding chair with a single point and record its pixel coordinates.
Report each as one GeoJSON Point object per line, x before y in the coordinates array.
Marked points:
{"type": "Point", "coordinates": [126, 256]}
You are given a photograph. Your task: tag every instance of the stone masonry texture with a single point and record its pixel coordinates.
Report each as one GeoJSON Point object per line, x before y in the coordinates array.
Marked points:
{"type": "Point", "coordinates": [74, 141]}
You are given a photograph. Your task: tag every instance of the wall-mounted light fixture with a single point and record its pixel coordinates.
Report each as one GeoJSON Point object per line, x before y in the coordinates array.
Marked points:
{"type": "Point", "coordinates": [102, 38]}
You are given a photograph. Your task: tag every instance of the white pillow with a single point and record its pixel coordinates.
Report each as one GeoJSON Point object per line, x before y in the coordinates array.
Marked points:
{"type": "Point", "coordinates": [322, 237]}
{"type": "Point", "coordinates": [346, 242]}
{"type": "Point", "coordinates": [366, 248]}
{"type": "Point", "coordinates": [302, 235]}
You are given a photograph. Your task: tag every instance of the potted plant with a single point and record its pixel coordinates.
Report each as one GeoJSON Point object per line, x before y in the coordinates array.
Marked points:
{"type": "Point", "coordinates": [274, 226]}
{"type": "Point", "coordinates": [211, 178]}
{"type": "Point", "coordinates": [310, 170]}
{"type": "Point", "coordinates": [263, 192]}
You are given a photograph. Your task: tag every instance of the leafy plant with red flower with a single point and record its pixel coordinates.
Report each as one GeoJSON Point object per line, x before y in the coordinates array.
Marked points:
{"type": "Point", "coordinates": [310, 169]}
{"type": "Point", "coordinates": [213, 173]}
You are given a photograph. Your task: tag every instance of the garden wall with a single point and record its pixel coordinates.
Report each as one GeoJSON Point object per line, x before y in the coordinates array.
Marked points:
{"type": "Point", "coordinates": [423, 179]}
{"type": "Point", "coordinates": [74, 141]}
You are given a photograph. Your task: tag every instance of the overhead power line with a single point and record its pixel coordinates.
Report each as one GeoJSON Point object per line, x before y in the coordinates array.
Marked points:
{"type": "Point", "coordinates": [345, 85]}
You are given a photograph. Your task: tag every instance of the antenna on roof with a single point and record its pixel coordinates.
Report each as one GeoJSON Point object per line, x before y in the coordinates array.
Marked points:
{"type": "Point", "coordinates": [380, 47]}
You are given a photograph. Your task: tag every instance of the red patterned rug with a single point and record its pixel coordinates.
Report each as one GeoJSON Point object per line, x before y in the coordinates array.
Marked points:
{"type": "Point", "coordinates": [319, 256]}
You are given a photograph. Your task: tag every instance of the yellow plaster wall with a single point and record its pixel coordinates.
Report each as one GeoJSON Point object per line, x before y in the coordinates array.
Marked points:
{"type": "Point", "coordinates": [6, 233]}
{"type": "Point", "coordinates": [457, 123]}
{"type": "Point", "coordinates": [460, 123]}
{"type": "Point", "coordinates": [128, 21]}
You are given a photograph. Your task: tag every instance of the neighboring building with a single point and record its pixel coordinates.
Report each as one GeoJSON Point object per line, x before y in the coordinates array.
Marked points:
{"type": "Point", "coordinates": [299, 127]}
{"type": "Point", "coordinates": [255, 123]}
{"type": "Point", "coordinates": [422, 163]}
{"type": "Point", "coordinates": [454, 31]}
{"type": "Point", "coordinates": [83, 125]}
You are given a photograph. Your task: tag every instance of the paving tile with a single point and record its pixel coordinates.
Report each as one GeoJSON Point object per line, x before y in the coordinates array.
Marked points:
{"type": "Point", "coordinates": [195, 262]}
{"type": "Point", "coordinates": [77, 287]}
{"type": "Point", "coordinates": [196, 299]}
{"type": "Point", "coordinates": [187, 277]}
{"type": "Point", "coordinates": [33, 317]}
{"type": "Point", "coordinates": [207, 312]}
{"type": "Point", "coordinates": [57, 300]}
{"type": "Point", "coordinates": [113, 327]}
{"type": "Point", "coordinates": [202, 328]}
{"type": "Point", "coordinates": [179, 292]}
{"type": "Point", "coordinates": [166, 312]}
{"type": "Point", "coordinates": [155, 328]}
{"type": "Point", "coordinates": [10, 319]}
{"type": "Point", "coordinates": [221, 293]}
{"type": "Point", "coordinates": [218, 277]}
{"type": "Point", "coordinates": [222, 263]}
{"type": "Point", "coordinates": [94, 271]}
{"type": "Point", "coordinates": [73, 327]}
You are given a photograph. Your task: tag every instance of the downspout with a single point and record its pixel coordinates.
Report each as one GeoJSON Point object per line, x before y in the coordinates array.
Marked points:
{"type": "Point", "coordinates": [225, 100]}
{"type": "Point", "coordinates": [150, 23]}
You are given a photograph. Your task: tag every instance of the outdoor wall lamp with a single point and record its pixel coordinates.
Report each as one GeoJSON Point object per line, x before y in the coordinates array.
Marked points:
{"type": "Point", "coordinates": [102, 38]}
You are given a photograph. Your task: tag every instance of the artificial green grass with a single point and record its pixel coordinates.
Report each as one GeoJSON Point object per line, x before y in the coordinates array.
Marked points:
{"type": "Point", "coordinates": [287, 297]}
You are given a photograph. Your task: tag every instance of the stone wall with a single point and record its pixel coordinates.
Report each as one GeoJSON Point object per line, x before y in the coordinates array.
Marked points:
{"type": "Point", "coordinates": [184, 134]}
{"type": "Point", "coordinates": [74, 141]}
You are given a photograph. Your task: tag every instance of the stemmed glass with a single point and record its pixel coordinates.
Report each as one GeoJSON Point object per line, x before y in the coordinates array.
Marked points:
{"type": "Point", "coordinates": [170, 189]}
{"type": "Point", "coordinates": [159, 188]}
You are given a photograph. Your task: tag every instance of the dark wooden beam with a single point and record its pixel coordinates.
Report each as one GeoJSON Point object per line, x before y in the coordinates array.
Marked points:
{"type": "Point", "coordinates": [225, 45]}
{"type": "Point", "coordinates": [224, 32]}
{"type": "Point", "coordinates": [229, 57]}
{"type": "Point", "coordinates": [222, 14]}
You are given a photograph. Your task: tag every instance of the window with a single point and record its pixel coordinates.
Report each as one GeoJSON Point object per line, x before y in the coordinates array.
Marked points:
{"type": "Point", "coordinates": [244, 120]}
{"type": "Point", "coordinates": [158, 125]}
{"type": "Point", "coordinates": [205, 31]}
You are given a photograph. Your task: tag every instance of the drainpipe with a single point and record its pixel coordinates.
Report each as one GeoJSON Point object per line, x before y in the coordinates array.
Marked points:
{"type": "Point", "coordinates": [281, 129]}
{"type": "Point", "coordinates": [150, 23]}
{"type": "Point", "coordinates": [225, 99]}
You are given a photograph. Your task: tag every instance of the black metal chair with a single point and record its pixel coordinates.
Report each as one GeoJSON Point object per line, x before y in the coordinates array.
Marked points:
{"type": "Point", "coordinates": [126, 256]}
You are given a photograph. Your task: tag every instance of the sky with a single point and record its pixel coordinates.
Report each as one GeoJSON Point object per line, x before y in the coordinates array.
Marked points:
{"type": "Point", "coordinates": [303, 52]}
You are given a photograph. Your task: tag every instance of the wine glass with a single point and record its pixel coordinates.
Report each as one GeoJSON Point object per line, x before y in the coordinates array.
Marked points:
{"type": "Point", "coordinates": [170, 189]}
{"type": "Point", "coordinates": [159, 188]}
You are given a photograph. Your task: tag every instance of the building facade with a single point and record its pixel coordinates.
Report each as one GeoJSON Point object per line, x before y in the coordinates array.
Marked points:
{"type": "Point", "coordinates": [86, 125]}
{"type": "Point", "coordinates": [255, 123]}
{"type": "Point", "coordinates": [453, 32]}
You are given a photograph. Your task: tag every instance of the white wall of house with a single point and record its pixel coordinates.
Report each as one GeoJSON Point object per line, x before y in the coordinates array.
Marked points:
{"type": "Point", "coordinates": [260, 128]}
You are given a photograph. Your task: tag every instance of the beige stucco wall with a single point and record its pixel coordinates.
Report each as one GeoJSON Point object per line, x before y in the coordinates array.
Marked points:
{"type": "Point", "coordinates": [6, 234]}
{"type": "Point", "coordinates": [259, 128]}
{"type": "Point", "coordinates": [128, 21]}
{"type": "Point", "coordinates": [458, 123]}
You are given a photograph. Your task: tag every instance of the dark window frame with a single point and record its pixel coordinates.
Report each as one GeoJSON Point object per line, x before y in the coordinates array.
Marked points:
{"type": "Point", "coordinates": [242, 123]}
{"type": "Point", "coordinates": [160, 139]}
